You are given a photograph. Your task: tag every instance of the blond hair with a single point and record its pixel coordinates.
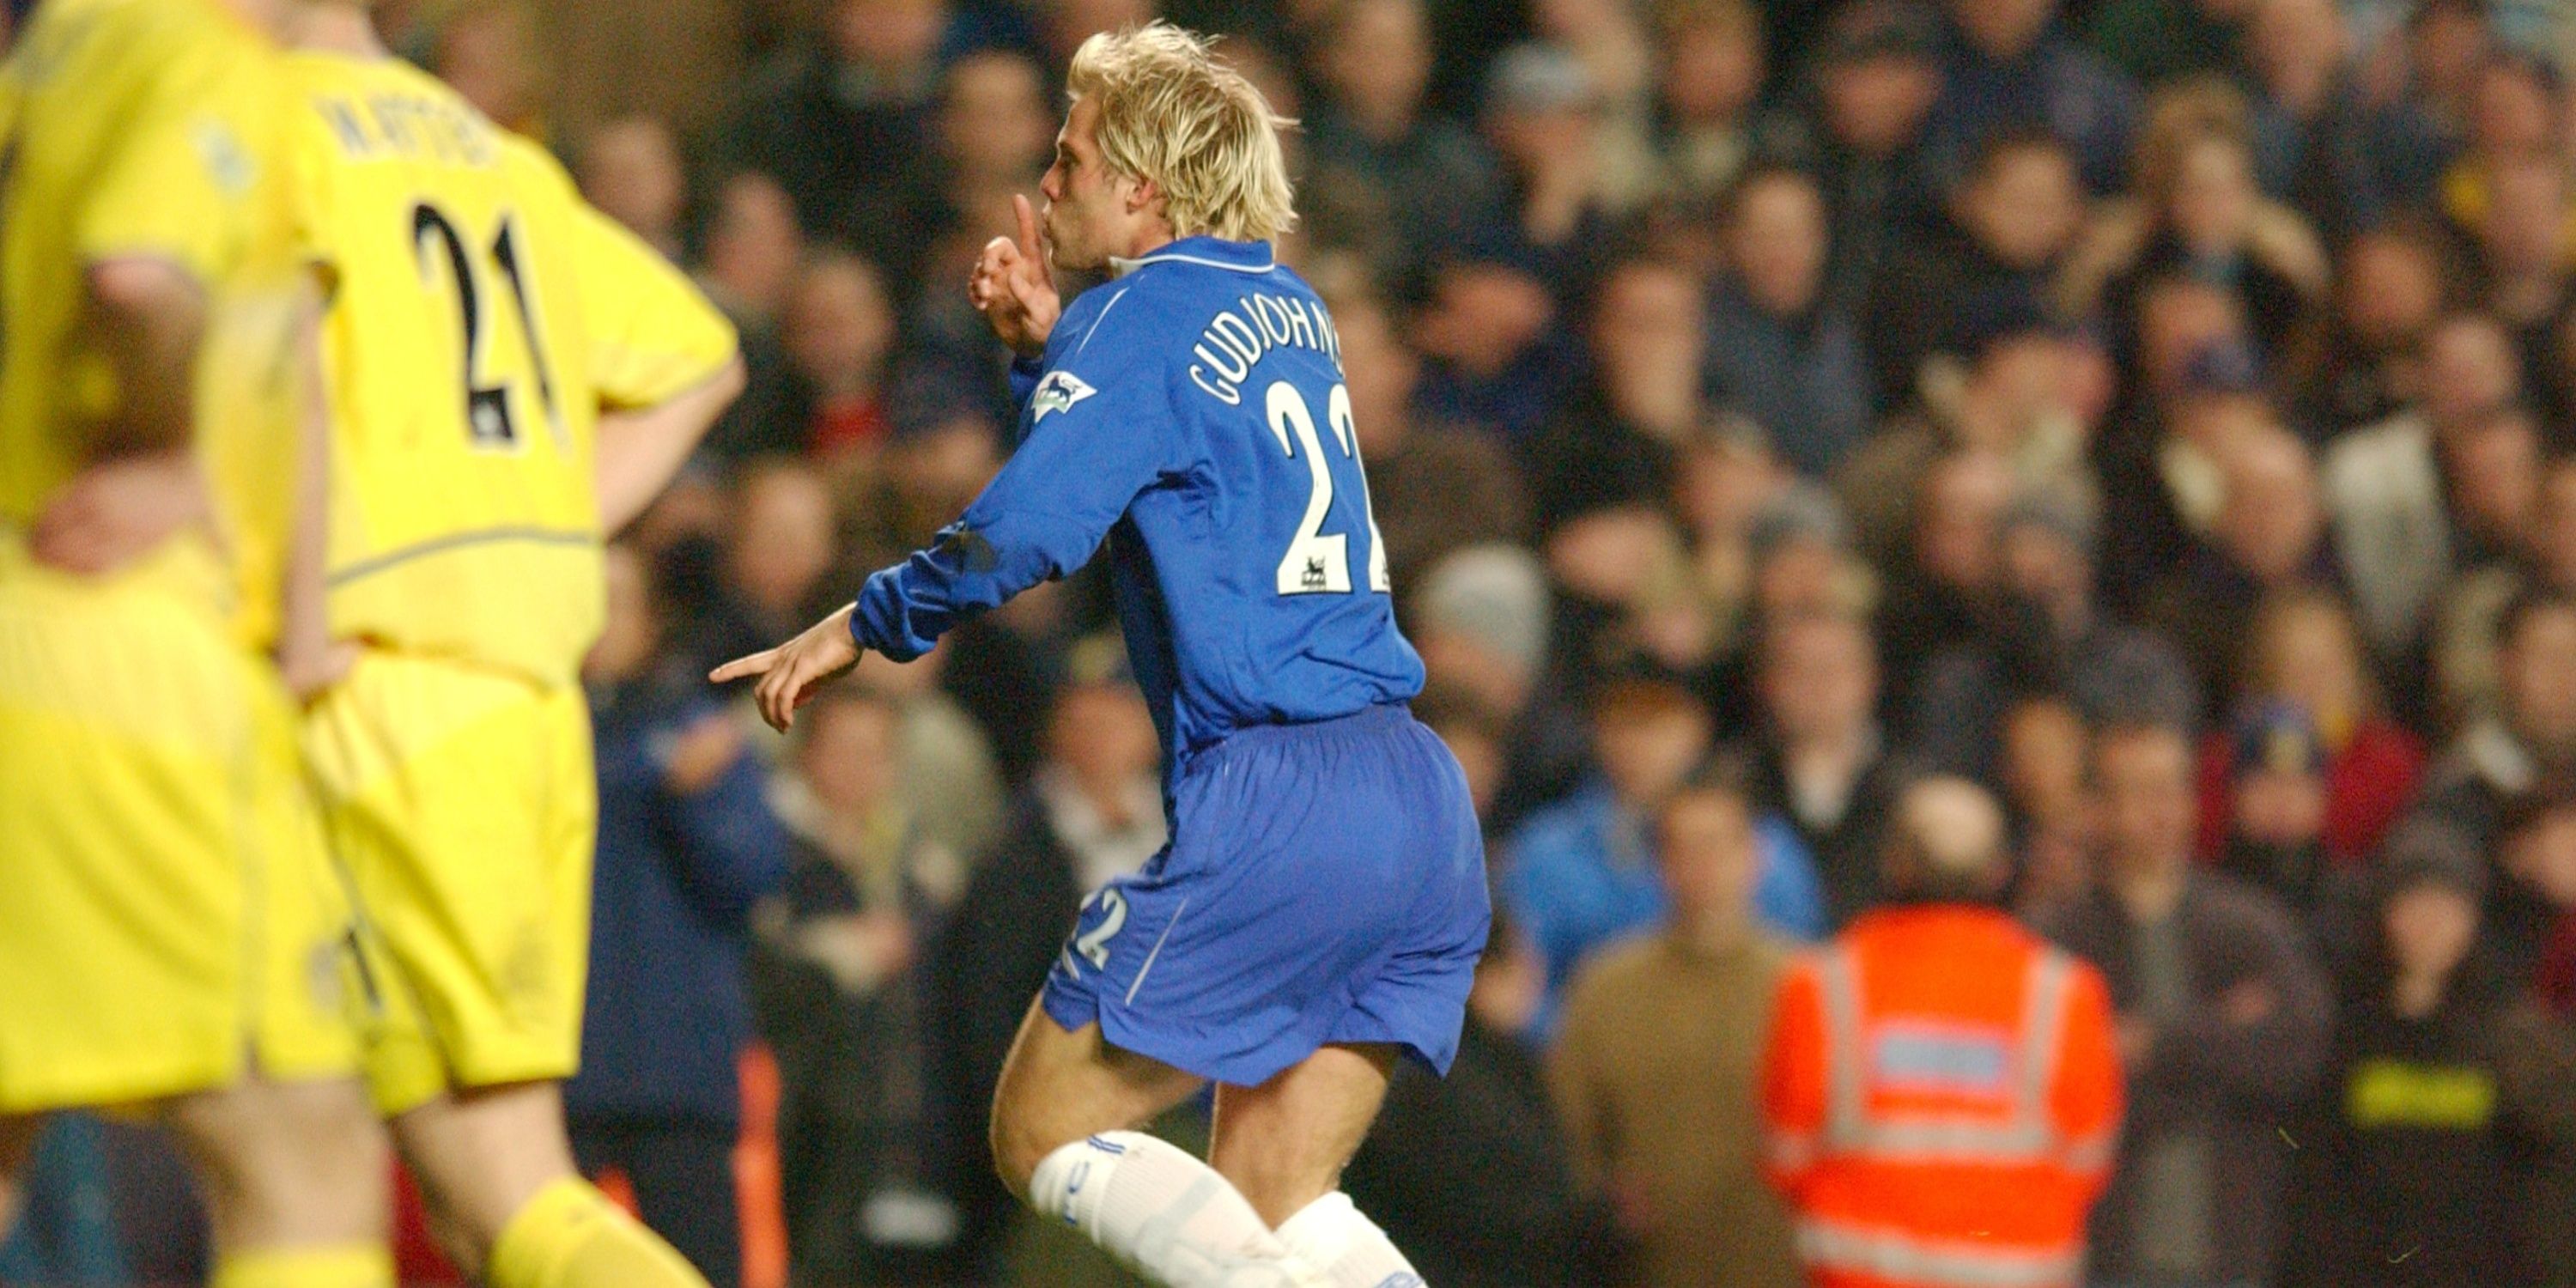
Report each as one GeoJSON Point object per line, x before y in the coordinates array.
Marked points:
{"type": "Point", "coordinates": [1176, 116]}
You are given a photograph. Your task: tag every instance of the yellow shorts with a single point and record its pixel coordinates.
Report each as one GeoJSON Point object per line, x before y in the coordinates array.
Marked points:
{"type": "Point", "coordinates": [461, 803]}
{"type": "Point", "coordinates": [167, 914]}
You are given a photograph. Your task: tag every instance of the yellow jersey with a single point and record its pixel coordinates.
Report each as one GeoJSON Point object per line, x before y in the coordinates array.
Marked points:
{"type": "Point", "coordinates": [151, 129]}
{"type": "Point", "coordinates": [480, 318]}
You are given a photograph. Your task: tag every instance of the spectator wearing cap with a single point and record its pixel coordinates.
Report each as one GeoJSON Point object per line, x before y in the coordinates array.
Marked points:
{"type": "Point", "coordinates": [2384, 486]}
{"type": "Point", "coordinates": [2045, 635]}
{"type": "Point", "coordinates": [1941, 1088]}
{"type": "Point", "coordinates": [2009, 66]}
{"type": "Point", "coordinates": [2223, 1021]}
{"type": "Point", "coordinates": [2304, 662]}
{"type": "Point", "coordinates": [2403, 1180]}
{"type": "Point", "coordinates": [2007, 229]}
{"type": "Point", "coordinates": [2531, 739]}
{"type": "Point", "coordinates": [2275, 814]}
{"type": "Point", "coordinates": [1481, 618]}
{"type": "Point", "coordinates": [1780, 348]}
{"type": "Point", "coordinates": [1655, 1065]}
{"type": "Point", "coordinates": [1542, 118]}
{"type": "Point", "coordinates": [2190, 376]}
{"type": "Point", "coordinates": [1860, 132]}
{"type": "Point", "coordinates": [1820, 760]}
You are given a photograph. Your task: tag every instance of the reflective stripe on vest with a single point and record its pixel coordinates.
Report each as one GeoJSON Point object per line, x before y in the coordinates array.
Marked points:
{"type": "Point", "coordinates": [2025, 1137]}
{"type": "Point", "coordinates": [1884, 1254]}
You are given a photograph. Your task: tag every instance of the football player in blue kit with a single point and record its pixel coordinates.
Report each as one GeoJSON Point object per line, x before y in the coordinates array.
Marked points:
{"type": "Point", "coordinates": [1318, 913]}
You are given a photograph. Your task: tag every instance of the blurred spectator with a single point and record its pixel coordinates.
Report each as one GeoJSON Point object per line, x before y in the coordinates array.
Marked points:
{"type": "Point", "coordinates": [2385, 490]}
{"type": "Point", "coordinates": [2536, 1060]}
{"type": "Point", "coordinates": [2274, 813]}
{"type": "Point", "coordinates": [2463, 645]}
{"type": "Point", "coordinates": [631, 169]}
{"type": "Point", "coordinates": [2269, 538]}
{"type": "Point", "coordinates": [1092, 811]}
{"type": "Point", "coordinates": [2491, 486]}
{"type": "Point", "coordinates": [844, 997]}
{"type": "Point", "coordinates": [2303, 654]}
{"type": "Point", "coordinates": [1614, 444]}
{"type": "Point", "coordinates": [2199, 211]}
{"type": "Point", "coordinates": [1386, 178]}
{"type": "Point", "coordinates": [841, 120]}
{"type": "Point", "coordinates": [2010, 67]}
{"type": "Point", "coordinates": [2046, 636]}
{"type": "Point", "coordinates": [950, 787]}
{"type": "Point", "coordinates": [686, 847]}
{"type": "Point", "coordinates": [1433, 488]}
{"type": "Point", "coordinates": [1861, 137]}
{"type": "Point", "coordinates": [2041, 772]}
{"type": "Point", "coordinates": [1779, 349]}
{"type": "Point", "coordinates": [1941, 1088]}
{"type": "Point", "coordinates": [2531, 900]}
{"type": "Point", "coordinates": [1658, 1057]}
{"type": "Point", "coordinates": [2405, 1181]}
{"type": "Point", "coordinates": [1821, 761]}
{"type": "Point", "coordinates": [2223, 1021]}
{"type": "Point", "coordinates": [2531, 739]}
{"type": "Point", "coordinates": [1543, 118]}
{"type": "Point", "coordinates": [490, 52]}
{"type": "Point", "coordinates": [1613, 40]}
{"type": "Point", "coordinates": [1481, 620]}
{"type": "Point", "coordinates": [2359, 364]}
{"type": "Point", "coordinates": [2322, 146]}
{"type": "Point", "coordinates": [839, 334]}
{"type": "Point", "coordinates": [1711, 76]}
{"type": "Point", "coordinates": [753, 250]}
{"type": "Point", "coordinates": [2516, 108]}
{"type": "Point", "coordinates": [778, 547]}
{"type": "Point", "coordinates": [2192, 379]}
{"type": "Point", "coordinates": [1505, 1209]}
{"type": "Point", "coordinates": [2007, 232]}
{"type": "Point", "coordinates": [1942, 581]}
{"type": "Point", "coordinates": [1498, 356]}
{"type": "Point", "coordinates": [2524, 248]}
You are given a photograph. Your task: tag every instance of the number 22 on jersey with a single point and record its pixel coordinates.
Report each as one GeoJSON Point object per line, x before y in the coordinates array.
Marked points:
{"type": "Point", "coordinates": [489, 421]}
{"type": "Point", "coordinates": [1319, 562]}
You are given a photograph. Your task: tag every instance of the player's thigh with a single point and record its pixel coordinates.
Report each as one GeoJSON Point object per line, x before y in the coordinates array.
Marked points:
{"type": "Point", "coordinates": [1284, 1143]}
{"type": "Point", "coordinates": [481, 1154]}
{"type": "Point", "coordinates": [1060, 1085]}
{"type": "Point", "coordinates": [286, 1162]}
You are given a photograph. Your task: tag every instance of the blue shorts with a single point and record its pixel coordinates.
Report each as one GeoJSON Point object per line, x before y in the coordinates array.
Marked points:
{"type": "Point", "coordinates": [1324, 883]}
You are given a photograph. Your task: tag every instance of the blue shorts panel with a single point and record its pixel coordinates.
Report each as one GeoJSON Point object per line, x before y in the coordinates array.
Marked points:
{"type": "Point", "coordinates": [1325, 883]}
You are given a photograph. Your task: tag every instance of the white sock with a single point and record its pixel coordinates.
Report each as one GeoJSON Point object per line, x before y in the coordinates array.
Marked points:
{"type": "Point", "coordinates": [1335, 1237]}
{"type": "Point", "coordinates": [1162, 1214]}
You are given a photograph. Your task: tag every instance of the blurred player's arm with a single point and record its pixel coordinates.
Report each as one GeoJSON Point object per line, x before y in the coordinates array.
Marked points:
{"type": "Point", "coordinates": [307, 657]}
{"type": "Point", "coordinates": [665, 361]}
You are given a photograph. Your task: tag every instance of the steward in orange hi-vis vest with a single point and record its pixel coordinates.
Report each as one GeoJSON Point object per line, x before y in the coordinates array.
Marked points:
{"type": "Point", "coordinates": [1941, 1089]}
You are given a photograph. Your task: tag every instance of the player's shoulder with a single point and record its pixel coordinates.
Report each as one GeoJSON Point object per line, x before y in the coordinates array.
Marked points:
{"type": "Point", "coordinates": [99, 52]}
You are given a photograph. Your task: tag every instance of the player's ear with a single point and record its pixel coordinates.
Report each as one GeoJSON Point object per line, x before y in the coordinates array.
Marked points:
{"type": "Point", "coordinates": [1142, 195]}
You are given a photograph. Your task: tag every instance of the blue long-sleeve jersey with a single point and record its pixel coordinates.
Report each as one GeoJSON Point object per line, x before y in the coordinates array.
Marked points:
{"type": "Point", "coordinates": [1191, 411]}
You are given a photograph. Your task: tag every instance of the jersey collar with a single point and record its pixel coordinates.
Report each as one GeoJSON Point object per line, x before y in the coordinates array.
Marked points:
{"type": "Point", "coordinates": [1207, 252]}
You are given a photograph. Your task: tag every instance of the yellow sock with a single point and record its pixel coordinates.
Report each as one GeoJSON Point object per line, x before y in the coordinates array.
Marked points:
{"type": "Point", "coordinates": [354, 1265]}
{"type": "Point", "coordinates": [571, 1236]}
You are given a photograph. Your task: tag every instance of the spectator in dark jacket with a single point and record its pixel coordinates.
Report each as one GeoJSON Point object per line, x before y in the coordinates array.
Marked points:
{"type": "Point", "coordinates": [1823, 763]}
{"type": "Point", "coordinates": [2223, 1023]}
{"type": "Point", "coordinates": [1780, 349]}
{"type": "Point", "coordinates": [2010, 67]}
{"type": "Point", "coordinates": [1093, 810]}
{"type": "Point", "coordinates": [1503, 1210]}
{"type": "Point", "coordinates": [686, 846]}
{"type": "Point", "coordinates": [2532, 738]}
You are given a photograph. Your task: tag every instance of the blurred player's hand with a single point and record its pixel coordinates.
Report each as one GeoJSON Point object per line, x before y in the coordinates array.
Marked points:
{"type": "Point", "coordinates": [1014, 289]}
{"type": "Point", "coordinates": [791, 672]}
{"type": "Point", "coordinates": [702, 753]}
{"type": "Point", "coordinates": [115, 511]}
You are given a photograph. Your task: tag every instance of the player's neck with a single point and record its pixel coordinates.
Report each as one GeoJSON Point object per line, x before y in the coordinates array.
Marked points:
{"type": "Point", "coordinates": [340, 29]}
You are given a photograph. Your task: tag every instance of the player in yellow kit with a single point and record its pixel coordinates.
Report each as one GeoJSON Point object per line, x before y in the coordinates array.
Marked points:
{"type": "Point", "coordinates": [507, 371]}
{"type": "Point", "coordinates": [170, 935]}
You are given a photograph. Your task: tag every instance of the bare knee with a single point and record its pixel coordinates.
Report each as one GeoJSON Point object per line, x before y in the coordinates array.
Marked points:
{"type": "Point", "coordinates": [480, 1156]}
{"type": "Point", "coordinates": [1058, 1087]}
{"type": "Point", "coordinates": [287, 1163]}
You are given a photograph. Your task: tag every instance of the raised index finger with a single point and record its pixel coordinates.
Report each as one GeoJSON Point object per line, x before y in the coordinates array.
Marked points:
{"type": "Point", "coordinates": [1028, 225]}
{"type": "Point", "coordinates": [742, 666]}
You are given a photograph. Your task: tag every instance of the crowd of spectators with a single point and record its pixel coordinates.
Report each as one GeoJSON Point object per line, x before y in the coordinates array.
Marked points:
{"type": "Point", "coordinates": [2162, 412]}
